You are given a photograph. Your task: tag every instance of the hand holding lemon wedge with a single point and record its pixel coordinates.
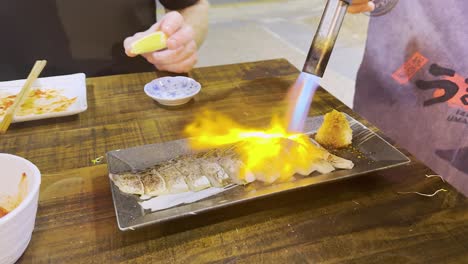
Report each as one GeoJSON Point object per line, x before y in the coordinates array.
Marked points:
{"type": "Point", "coordinates": [152, 42]}
{"type": "Point", "coordinates": [169, 44]}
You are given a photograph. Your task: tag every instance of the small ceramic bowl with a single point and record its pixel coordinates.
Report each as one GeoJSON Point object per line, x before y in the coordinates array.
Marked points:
{"type": "Point", "coordinates": [17, 226]}
{"type": "Point", "coordinates": [172, 91]}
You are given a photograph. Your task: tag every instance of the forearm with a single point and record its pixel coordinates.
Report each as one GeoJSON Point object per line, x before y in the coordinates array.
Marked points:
{"type": "Point", "coordinates": [197, 17]}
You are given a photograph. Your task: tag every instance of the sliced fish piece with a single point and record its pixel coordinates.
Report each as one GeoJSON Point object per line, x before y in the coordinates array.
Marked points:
{"type": "Point", "coordinates": [305, 171]}
{"type": "Point", "coordinates": [339, 163]}
{"type": "Point", "coordinates": [326, 165]}
{"type": "Point", "coordinates": [194, 177]}
{"type": "Point", "coordinates": [214, 172]}
{"type": "Point", "coordinates": [128, 183]}
{"type": "Point", "coordinates": [335, 161]}
{"type": "Point", "coordinates": [323, 167]}
{"type": "Point", "coordinates": [233, 167]}
{"type": "Point", "coordinates": [174, 179]}
{"type": "Point", "coordinates": [153, 183]}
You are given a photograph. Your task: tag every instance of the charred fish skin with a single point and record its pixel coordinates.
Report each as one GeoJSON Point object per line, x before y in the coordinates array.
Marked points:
{"type": "Point", "coordinates": [174, 179]}
{"type": "Point", "coordinates": [225, 164]}
{"type": "Point", "coordinates": [194, 177]}
{"type": "Point", "coordinates": [154, 184]}
{"type": "Point", "coordinates": [128, 183]}
{"type": "Point", "coordinates": [215, 173]}
{"type": "Point", "coordinates": [233, 168]}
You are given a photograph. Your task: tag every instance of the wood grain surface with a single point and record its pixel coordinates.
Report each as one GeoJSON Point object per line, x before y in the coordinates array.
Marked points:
{"type": "Point", "coordinates": [360, 220]}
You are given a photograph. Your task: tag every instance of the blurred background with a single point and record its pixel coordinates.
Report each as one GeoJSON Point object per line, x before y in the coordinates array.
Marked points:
{"type": "Point", "coordinates": [250, 30]}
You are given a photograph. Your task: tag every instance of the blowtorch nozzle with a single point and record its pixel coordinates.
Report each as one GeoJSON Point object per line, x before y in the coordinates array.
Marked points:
{"type": "Point", "coordinates": [301, 93]}
{"type": "Point", "coordinates": [325, 37]}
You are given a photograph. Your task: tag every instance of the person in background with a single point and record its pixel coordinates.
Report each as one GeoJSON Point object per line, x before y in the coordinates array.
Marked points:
{"type": "Point", "coordinates": [412, 83]}
{"type": "Point", "coordinates": [87, 35]}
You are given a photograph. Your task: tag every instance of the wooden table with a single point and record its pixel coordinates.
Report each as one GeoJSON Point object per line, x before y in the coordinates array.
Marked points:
{"type": "Point", "coordinates": [361, 220]}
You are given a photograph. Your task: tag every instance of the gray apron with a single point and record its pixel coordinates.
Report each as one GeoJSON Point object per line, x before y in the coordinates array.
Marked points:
{"type": "Point", "coordinates": [413, 82]}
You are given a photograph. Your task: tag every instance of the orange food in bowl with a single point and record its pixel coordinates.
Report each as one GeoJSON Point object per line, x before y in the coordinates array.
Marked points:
{"type": "Point", "coordinates": [9, 203]}
{"type": "Point", "coordinates": [3, 211]}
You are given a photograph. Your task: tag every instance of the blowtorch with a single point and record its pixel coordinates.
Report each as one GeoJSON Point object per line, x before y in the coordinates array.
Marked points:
{"type": "Point", "coordinates": [301, 93]}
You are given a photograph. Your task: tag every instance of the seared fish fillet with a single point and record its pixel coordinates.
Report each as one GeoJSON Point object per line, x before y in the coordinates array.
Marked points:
{"type": "Point", "coordinates": [153, 183]}
{"type": "Point", "coordinates": [216, 168]}
{"type": "Point", "coordinates": [214, 172]}
{"type": "Point", "coordinates": [190, 168]}
{"type": "Point", "coordinates": [233, 168]}
{"type": "Point", "coordinates": [174, 179]}
{"type": "Point", "coordinates": [128, 183]}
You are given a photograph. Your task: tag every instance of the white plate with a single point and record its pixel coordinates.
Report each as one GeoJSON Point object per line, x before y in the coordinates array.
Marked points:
{"type": "Point", "coordinates": [72, 85]}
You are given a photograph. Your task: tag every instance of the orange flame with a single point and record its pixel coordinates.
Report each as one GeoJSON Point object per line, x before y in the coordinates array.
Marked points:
{"type": "Point", "coordinates": [271, 155]}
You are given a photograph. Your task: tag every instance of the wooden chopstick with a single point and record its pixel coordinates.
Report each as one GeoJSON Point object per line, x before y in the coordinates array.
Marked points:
{"type": "Point", "coordinates": [10, 113]}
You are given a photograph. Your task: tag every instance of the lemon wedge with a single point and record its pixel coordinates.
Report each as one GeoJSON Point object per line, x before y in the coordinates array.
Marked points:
{"type": "Point", "coordinates": [152, 42]}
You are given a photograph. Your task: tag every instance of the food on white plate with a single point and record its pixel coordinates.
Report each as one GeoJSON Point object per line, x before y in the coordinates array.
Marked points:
{"type": "Point", "coordinates": [39, 101]}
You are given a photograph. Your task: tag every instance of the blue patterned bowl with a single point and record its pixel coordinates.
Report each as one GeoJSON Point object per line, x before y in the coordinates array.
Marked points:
{"type": "Point", "coordinates": [172, 90]}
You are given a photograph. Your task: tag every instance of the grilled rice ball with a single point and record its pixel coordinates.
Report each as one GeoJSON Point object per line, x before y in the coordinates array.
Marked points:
{"type": "Point", "coordinates": [335, 131]}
